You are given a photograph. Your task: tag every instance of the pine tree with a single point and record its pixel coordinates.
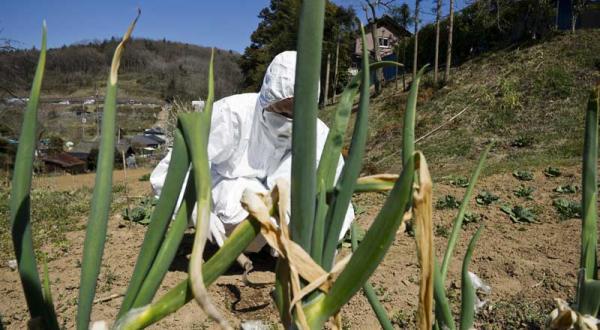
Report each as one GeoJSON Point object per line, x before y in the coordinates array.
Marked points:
{"type": "Point", "coordinates": [277, 32]}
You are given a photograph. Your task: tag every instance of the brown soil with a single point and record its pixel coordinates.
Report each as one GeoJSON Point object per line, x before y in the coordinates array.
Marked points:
{"type": "Point", "coordinates": [72, 182]}
{"type": "Point", "coordinates": [525, 264]}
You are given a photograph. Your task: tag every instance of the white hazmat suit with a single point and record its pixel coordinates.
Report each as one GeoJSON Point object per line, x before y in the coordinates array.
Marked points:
{"type": "Point", "coordinates": [250, 148]}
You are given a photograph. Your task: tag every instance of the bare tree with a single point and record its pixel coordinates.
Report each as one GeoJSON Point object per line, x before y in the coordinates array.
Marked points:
{"type": "Point", "coordinates": [578, 6]}
{"type": "Point", "coordinates": [372, 6]}
{"type": "Point", "coordinates": [449, 50]}
{"type": "Point", "coordinates": [401, 14]}
{"type": "Point", "coordinates": [416, 51]}
{"type": "Point", "coordinates": [6, 44]}
{"type": "Point", "coordinates": [438, 16]}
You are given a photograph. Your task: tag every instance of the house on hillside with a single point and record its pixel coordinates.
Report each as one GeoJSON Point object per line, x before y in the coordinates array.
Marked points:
{"type": "Point", "coordinates": [389, 33]}
{"type": "Point", "coordinates": [64, 162]}
{"type": "Point", "coordinates": [146, 144]}
{"type": "Point", "coordinates": [154, 131]}
{"type": "Point", "coordinates": [86, 151]}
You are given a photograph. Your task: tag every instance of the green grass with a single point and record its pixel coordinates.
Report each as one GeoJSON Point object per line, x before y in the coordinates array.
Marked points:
{"type": "Point", "coordinates": [528, 100]}
{"type": "Point", "coordinates": [55, 214]}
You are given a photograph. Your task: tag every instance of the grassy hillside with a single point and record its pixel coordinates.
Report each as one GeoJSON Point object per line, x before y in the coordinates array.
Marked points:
{"type": "Point", "coordinates": [531, 101]}
{"type": "Point", "coordinates": [150, 69]}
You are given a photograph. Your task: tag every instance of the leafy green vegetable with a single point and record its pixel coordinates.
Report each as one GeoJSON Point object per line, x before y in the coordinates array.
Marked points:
{"type": "Point", "coordinates": [552, 172]}
{"type": "Point", "coordinates": [519, 214]}
{"type": "Point", "coordinates": [472, 218]}
{"type": "Point", "coordinates": [523, 175]}
{"type": "Point", "coordinates": [567, 189]}
{"type": "Point", "coordinates": [524, 192]}
{"type": "Point", "coordinates": [460, 181]}
{"type": "Point", "coordinates": [486, 198]}
{"type": "Point", "coordinates": [142, 212]}
{"type": "Point", "coordinates": [567, 209]}
{"type": "Point", "coordinates": [447, 202]}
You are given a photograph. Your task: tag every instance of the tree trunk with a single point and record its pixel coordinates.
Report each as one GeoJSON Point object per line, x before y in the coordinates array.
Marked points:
{"type": "Point", "coordinates": [375, 37]}
{"type": "Point", "coordinates": [556, 18]}
{"type": "Point", "coordinates": [449, 52]}
{"type": "Point", "coordinates": [396, 78]}
{"type": "Point", "coordinates": [404, 67]}
{"type": "Point", "coordinates": [416, 50]}
{"type": "Point", "coordinates": [325, 101]}
{"type": "Point", "coordinates": [335, 72]}
{"type": "Point", "coordinates": [437, 41]}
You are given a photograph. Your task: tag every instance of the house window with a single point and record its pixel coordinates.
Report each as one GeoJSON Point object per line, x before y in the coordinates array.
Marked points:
{"type": "Point", "coordinates": [384, 42]}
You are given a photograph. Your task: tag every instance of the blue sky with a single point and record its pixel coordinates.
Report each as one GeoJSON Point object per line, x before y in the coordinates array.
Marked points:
{"type": "Point", "coordinates": [225, 24]}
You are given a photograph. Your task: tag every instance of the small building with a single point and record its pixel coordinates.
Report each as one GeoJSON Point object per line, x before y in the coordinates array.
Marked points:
{"type": "Point", "coordinates": [388, 33]}
{"type": "Point", "coordinates": [124, 147]}
{"type": "Point", "coordinates": [154, 131]}
{"type": "Point", "coordinates": [145, 144]}
{"type": "Point", "coordinates": [86, 151]}
{"type": "Point", "coordinates": [64, 162]}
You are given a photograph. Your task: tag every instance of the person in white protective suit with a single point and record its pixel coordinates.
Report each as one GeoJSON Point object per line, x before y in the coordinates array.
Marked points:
{"type": "Point", "coordinates": [250, 148]}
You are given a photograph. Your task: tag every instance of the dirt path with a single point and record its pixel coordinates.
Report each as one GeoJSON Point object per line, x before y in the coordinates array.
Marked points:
{"type": "Point", "coordinates": [525, 264]}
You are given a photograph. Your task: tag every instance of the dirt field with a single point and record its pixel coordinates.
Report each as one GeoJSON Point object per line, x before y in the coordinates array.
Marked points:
{"type": "Point", "coordinates": [72, 182]}
{"type": "Point", "coordinates": [525, 264]}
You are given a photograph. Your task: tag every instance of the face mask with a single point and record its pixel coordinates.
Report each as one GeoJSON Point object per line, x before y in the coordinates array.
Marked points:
{"type": "Point", "coordinates": [279, 126]}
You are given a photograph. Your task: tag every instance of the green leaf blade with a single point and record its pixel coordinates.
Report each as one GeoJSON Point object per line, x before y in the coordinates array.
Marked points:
{"type": "Point", "coordinates": [344, 189]}
{"type": "Point", "coordinates": [589, 229]}
{"type": "Point", "coordinates": [456, 227]}
{"type": "Point", "coordinates": [468, 297]}
{"type": "Point", "coordinates": [98, 219]}
{"type": "Point", "coordinates": [160, 219]}
{"type": "Point", "coordinates": [304, 130]}
{"type": "Point", "coordinates": [20, 208]}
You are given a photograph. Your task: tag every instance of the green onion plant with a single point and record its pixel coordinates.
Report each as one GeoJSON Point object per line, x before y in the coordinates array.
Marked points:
{"type": "Point", "coordinates": [319, 203]}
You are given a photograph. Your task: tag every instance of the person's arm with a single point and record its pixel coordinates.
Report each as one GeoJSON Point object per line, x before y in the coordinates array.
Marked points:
{"type": "Point", "coordinates": [219, 144]}
{"type": "Point", "coordinates": [224, 132]}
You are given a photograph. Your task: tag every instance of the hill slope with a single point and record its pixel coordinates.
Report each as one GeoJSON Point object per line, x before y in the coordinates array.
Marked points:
{"type": "Point", "coordinates": [531, 101]}
{"type": "Point", "coordinates": [150, 69]}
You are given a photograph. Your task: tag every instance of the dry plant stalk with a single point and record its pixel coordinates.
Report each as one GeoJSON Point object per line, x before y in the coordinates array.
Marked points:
{"type": "Point", "coordinates": [424, 239]}
{"type": "Point", "coordinates": [299, 263]}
